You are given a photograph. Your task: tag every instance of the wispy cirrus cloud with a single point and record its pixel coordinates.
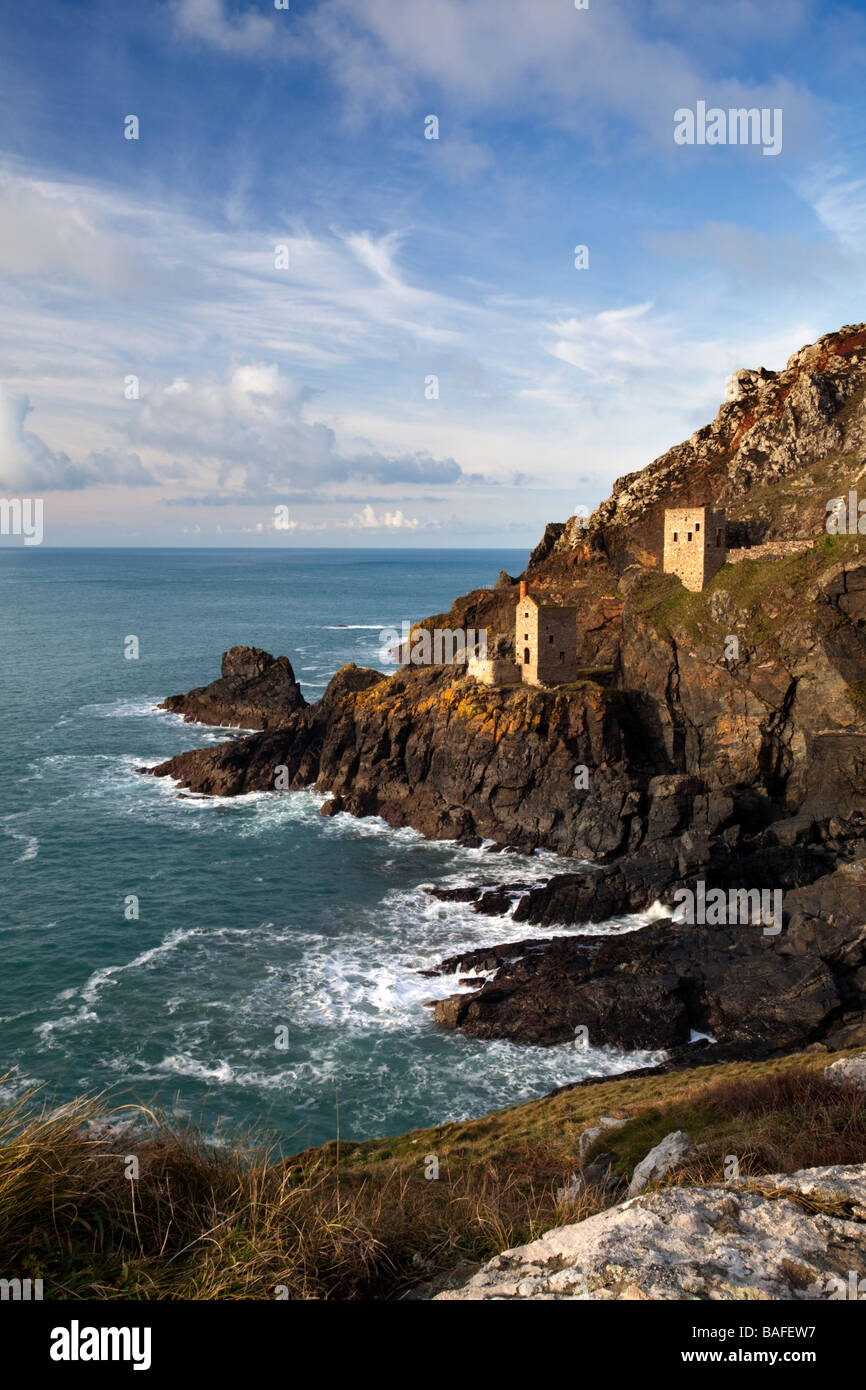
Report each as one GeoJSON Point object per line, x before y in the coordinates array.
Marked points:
{"type": "Point", "coordinates": [247, 33]}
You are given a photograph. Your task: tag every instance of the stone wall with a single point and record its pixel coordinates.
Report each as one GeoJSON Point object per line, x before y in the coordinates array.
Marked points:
{"type": "Point", "coordinates": [770, 550]}
{"type": "Point", "coordinates": [557, 645]}
{"type": "Point", "coordinates": [496, 671]}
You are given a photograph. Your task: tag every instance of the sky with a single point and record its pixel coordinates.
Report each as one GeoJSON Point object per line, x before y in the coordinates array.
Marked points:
{"type": "Point", "coordinates": [285, 315]}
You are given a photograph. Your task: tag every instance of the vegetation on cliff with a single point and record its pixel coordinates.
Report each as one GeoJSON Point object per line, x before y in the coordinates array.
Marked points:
{"type": "Point", "coordinates": [361, 1220]}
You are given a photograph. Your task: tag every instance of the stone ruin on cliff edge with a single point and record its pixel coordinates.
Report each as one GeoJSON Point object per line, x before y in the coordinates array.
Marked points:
{"type": "Point", "coordinates": [695, 545]}
{"type": "Point", "coordinates": [545, 634]}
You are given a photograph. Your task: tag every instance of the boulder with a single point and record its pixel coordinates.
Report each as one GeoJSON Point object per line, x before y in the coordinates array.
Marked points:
{"type": "Point", "coordinates": [598, 1173]}
{"type": "Point", "coordinates": [255, 691]}
{"type": "Point", "coordinates": [673, 1151]}
{"type": "Point", "coordinates": [601, 1126]}
{"type": "Point", "coordinates": [848, 1071]}
{"type": "Point", "coordinates": [797, 1236]}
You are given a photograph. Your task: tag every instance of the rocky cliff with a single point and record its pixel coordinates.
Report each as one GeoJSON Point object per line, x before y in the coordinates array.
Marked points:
{"type": "Point", "coordinates": [769, 725]}
{"type": "Point", "coordinates": [713, 728]}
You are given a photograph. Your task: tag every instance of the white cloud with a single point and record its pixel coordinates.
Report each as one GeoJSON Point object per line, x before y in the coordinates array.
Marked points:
{"type": "Point", "coordinates": [367, 520]}
{"type": "Point", "coordinates": [48, 230]}
{"type": "Point", "coordinates": [253, 428]}
{"type": "Point", "coordinates": [27, 464]}
{"type": "Point", "coordinates": [249, 34]}
{"type": "Point", "coordinates": [838, 199]}
{"type": "Point", "coordinates": [579, 69]}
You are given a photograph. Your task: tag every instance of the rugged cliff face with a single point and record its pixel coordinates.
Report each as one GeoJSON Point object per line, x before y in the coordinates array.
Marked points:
{"type": "Point", "coordinates": [772, 457]}
{"type": "Point", "coordinates": [752, 691]}
{"type": "Point", "coordinates": [435, 751]}
{"type": "Point", "coordinates": [710, 729]}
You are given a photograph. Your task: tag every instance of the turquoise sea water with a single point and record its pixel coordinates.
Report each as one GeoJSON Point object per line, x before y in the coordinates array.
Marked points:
{"type": "Point", "coordinates": [256, 914]}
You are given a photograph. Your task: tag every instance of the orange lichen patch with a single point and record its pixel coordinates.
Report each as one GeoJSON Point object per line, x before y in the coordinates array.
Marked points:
{"type": "Point", "coordinates": [745, 425]}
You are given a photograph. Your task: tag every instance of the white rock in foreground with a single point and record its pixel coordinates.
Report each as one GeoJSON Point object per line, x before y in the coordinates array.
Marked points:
{"type": "Point", "coordinates": [719, 1243]}
{"type": "Point", "coordinates": [673, 1150]}
{"type": "Point", "coordinates": [848, 1070]}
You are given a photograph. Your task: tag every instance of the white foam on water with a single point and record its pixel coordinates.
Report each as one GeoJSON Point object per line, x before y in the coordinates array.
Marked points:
{"type": "Point", "coordinates": [30, 843]}
{"type": "Point", "coordinates": [139, 707]}
{"type": "Point", "coordinates": [28, 927]}
{"type": "Point", "coordinates": [91, 991]}
{"type": "Point", "coordinates": [14, 1084]}
{"type": "Point", "coordinates": [351, 994]}
{"type": "Point", "coordinates": [181, 1064]}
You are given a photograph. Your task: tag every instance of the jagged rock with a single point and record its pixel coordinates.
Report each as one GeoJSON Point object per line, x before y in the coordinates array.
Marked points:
{"type": "Point", "coordinates": [599, 1173]}
{"type": "Point", "coordinates": [652, 988]}
{"type": "Point", "coordinates": [601, 1126]}
{"type": "Point", "coordinates": [670, 1153]}
{"type": "Point", "coordinates": [552, 533]}
{"type": "Point", "coordinates": [851, 1034]}
{"type": "Point", "coordinates": [255, 691]}
{"type": "Point", "coordinates": [745, 1241]}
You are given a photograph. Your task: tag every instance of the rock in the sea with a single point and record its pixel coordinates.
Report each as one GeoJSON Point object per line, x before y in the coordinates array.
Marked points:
{"type": "Point", "coordinates": [673, 1150]}
{"type": "Point", "coordinates": [666, 763]}
{"type": "Point", "coordinates": [255, 691]}
{"type": "Point", "coordinates": [752, 1241]}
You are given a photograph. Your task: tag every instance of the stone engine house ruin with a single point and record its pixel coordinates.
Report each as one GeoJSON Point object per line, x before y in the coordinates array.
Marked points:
{"type": "Point", "coordinates": [545, 641]}
{"type": "Point", "coordinates": [545, 634]}
{"type": "Point", "coordinates": [695, 544]}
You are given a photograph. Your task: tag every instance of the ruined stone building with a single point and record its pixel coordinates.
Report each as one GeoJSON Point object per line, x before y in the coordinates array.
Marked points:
{"type": "Point", "coordinates": [545, 641]}
{"type": "Point", "coordinates": [545, 634]}
{"type": "Point", "coordinates": [545, 647]}
{"type": "Point", "coordinates": [695, 544]}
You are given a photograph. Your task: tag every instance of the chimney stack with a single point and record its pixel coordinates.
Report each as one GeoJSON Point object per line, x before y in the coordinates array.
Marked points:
{"type": "Point", "coordinates": [523, 588]}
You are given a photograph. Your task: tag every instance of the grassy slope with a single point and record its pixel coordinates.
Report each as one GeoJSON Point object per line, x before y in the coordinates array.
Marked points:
{"type": "Point", "coordinates": [360, 1220]}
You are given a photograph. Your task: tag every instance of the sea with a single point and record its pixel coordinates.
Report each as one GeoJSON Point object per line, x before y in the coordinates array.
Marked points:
{"type": "Point", "coordinates": [239, 963]}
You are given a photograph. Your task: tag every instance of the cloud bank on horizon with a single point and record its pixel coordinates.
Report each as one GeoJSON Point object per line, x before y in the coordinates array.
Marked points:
{"type": "Point", "coordinates": [422, 272]}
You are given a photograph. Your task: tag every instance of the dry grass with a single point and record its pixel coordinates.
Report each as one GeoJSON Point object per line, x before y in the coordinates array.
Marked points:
{"type": "Point", "coordinates": [359, 1221]}
{"type": "Point", "coordinates": [238, 1222]}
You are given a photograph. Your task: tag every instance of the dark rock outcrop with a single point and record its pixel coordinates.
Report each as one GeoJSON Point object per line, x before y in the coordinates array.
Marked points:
{"type": "Point", "coordinates": [754, 993]}
{"type": "Point", "coordinates": [651, 988]}
{"type": "Point", "coordinates": [255, 691]}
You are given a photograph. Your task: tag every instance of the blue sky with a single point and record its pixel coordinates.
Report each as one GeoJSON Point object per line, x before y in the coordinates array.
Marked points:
{"type": "Point", "coordinates": [303, 386]}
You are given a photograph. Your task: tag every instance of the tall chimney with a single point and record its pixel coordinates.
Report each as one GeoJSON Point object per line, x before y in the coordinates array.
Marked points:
{"type": "Point", "coordinates": [523, 588]}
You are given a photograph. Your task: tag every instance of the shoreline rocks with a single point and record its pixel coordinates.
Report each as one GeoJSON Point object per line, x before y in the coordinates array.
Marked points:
{"type": "Point", "coordinates": [255, 691]}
